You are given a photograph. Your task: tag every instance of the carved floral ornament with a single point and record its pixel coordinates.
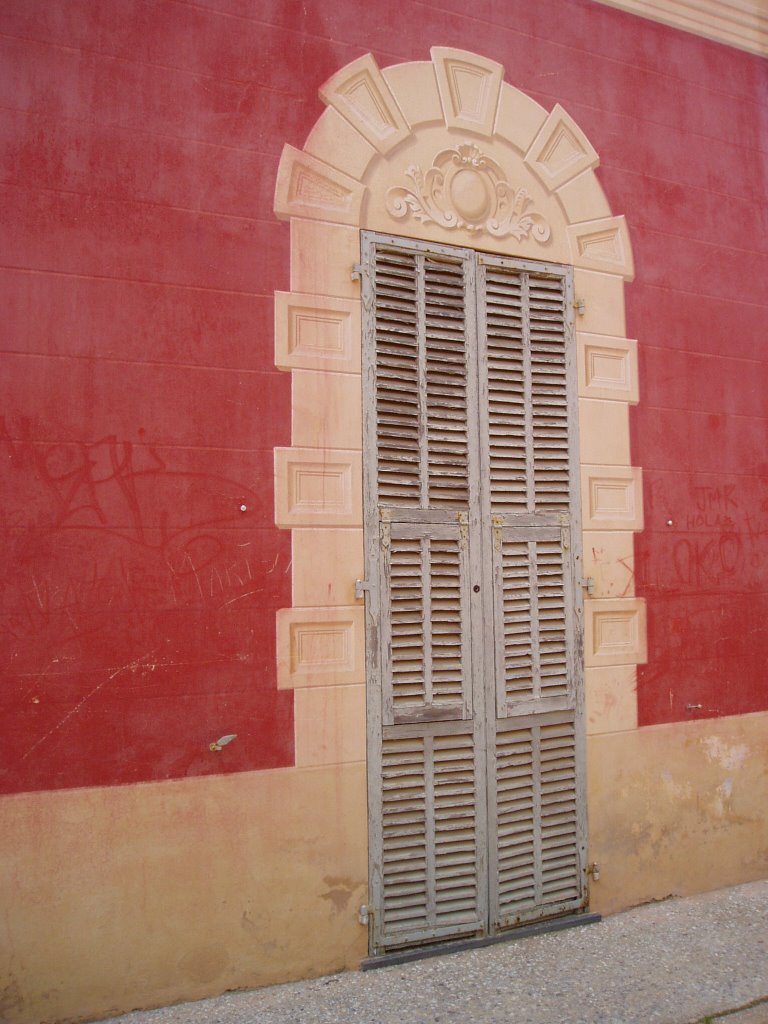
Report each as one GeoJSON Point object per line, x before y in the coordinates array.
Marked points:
{"type": "Point", "coordinates": [466, 189]}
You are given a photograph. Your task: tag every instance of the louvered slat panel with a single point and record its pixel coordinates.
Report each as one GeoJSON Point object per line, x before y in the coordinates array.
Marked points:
{"type": "Point", "coordinates": [427, 632]}
{"type": "Point", "coordinates": [538, 859]}
{"type": "Point", "coordinates": [445, 372]}
{"type": "Point", "coordinates": [549, 392]}
{"type": "Point", "coordinates": [396, 329]}
{"type": "Point", "coordinates": [456, 897]}
{"type": "Point", "coordinates": [430, 837]}
{"type": "Point", "coordinates": [530, 609]}
{"type": "Point", "coordinates": [515, 820]}
{"type": "Point", "coordinates": [560, 875]}
{"type": "Point", "coordinates": [505, 353]}
{"type": "Point", "coordinates": [550, 599]}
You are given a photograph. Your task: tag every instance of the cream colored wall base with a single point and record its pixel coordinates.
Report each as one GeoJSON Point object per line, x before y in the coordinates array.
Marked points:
{"type": "Point", "coordinates": [677, 809]}
{"type": "Point", "coordinates": [137, 896]}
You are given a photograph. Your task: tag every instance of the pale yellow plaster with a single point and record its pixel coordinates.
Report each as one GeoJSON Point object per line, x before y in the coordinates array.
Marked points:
{"type": "Point", "coordinates": [611, 698]}
{"type": "Point", "coordinates": [326, 410]}
{"type": "Point", "coordinates": [609, 560]}
{"type": "Point", "coordinates": [325, 566]}
{"type": "Point", "coordinates": [149, 894]}
{"type": "Point", "coordinates": [322, 257]}
{"type": "Point", "coordinates": [336, 142]}
{"type": "Point", "coordinates": [330, 725]}
{"type": "Point", "coordinates": [320, 646]}
{"type": "Point", "coordinates": [604, 432]}
{"type": "Point", "coordinates": [677, 809]}
{"type": "Point", "coordinates": [415, 88]}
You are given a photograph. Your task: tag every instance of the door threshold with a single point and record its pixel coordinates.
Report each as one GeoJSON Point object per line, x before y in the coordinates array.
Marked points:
{"type": "Point", "coordinates": [404, 956]}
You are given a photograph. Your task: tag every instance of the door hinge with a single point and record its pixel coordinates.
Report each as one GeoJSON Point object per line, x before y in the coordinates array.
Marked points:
{"type": "Point", "coordinates": [357, 271]}
{"type": "Point", "coordinates": [364, 913]}
{"type": "Point", "coordinates": [589, 585]}
{"type": "Point", "coordinates": [580, 306]}
{"type": "Point", "coordinates": [361, 586]}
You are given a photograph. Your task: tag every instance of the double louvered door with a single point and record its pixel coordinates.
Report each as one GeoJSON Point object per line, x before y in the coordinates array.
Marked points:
{"type": "Point", "coordinates": [473, 637]}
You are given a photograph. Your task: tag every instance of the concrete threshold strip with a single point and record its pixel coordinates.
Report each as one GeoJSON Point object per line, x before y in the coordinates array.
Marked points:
{"type": "Point", "coordinates": [404, 956]}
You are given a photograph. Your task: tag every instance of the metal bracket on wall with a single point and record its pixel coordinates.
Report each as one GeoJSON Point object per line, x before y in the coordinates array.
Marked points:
{"type": "Point", "coordinates": [360, 588]}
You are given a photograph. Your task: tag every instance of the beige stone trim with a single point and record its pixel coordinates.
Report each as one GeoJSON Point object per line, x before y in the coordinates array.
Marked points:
{"type": "Point", "coordinates": [315, 486]}
{"type": "Point", "coordinates": [326, 409]}
{"type": "Point", "coordinates": [583, 198]}
{"type": "Point", "coordinates": [604, 432]}
{"type": "Point", "coordinates": [739, 23]}
{"type": "Point", "coordinates": [609, 560]}
{"type": "Point", "coordinates": [355, 173]}
{"type": "Point", "coordinates": [611, 698]}
{"type": "Point", "coordinates": [519, 117]}
{"type": "Point", "coordinates": [607, 368]}
{"type": "Point", "coordinates": [325, 566]}
{"type": "Point", "coordinates": [329, 725]}
{"type": "Point", "coordinates": [561, 150]}
{"type": "Point", "coordinates": [415, 88]}
{"type": "Point", "coordinates": [320, 647]}
{"type": "Point", "coordinates": [317, 332]}
{"type": "Point", "coordinates": [603, 245]}
{"type": "Point", "coordinates": [603, 298]}
{"type": "Point", "coordinates": [614, 632]}
{"type": "Point", "coordinates": [308, 187]}
{"type": "Point", "coordinates": [337, 143]}
{"type": "Point", "coordinates": [611, 498]}
{"type": "Point", "coordinates": [311, 269]}
{"type": "Point", "coordinates": [469, 87]}
{"type": "Point", "coordinates": [361, 94]}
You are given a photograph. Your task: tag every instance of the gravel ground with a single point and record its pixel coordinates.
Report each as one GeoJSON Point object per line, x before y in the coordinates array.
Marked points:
{"type": "Point", "coordinates": [673, 962]}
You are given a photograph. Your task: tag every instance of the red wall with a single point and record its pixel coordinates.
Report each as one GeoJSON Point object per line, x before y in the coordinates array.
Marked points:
{"type": "Point", "coordinates": [139, 144]}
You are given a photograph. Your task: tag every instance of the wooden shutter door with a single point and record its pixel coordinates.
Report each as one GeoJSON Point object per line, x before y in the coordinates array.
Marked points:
{"type": "Point", "coordinates": [473, 617]}
{"type": "Point", "coordinates": [427, 792]}
{"type": "Point", "coordinates": [530, 501]}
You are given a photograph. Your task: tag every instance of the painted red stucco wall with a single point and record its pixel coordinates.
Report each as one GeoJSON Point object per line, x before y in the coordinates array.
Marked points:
{"type": "Point", "coordinates": [141, 569]}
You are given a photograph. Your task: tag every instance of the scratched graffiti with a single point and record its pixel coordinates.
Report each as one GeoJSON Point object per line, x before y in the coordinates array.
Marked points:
{"type": "Point", "coordinates": [123, 563]}
{"type": "Point", "coordinates": [710, 539]}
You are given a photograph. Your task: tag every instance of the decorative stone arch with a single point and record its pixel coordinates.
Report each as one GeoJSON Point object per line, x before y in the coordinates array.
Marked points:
{"type": "Point", "coordinates": [443, 150]}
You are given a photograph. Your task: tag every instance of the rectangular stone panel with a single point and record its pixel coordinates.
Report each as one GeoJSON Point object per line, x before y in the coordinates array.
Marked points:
{"type": "Point", "coordinates": [320, 647]}
{"type": "Point", "coordinates": [318, 487]}
{"type": "Point", "coordinates": [607, 367]}
{"type": "Point", "coordinates": [614, 632]}
{"type": "Point", "coordinates": [326, 564]}
{"type": "Point", "coordinates": [611, 498]}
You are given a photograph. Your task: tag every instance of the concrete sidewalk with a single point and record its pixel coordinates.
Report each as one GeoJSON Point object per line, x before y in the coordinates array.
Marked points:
{"type": "Point", "coordinates": [676, 962]}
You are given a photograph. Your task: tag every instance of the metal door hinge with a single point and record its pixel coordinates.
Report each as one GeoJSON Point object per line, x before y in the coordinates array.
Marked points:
{"type": "Point", "coordinates": [357, 271]}
{"type": "Point", "coordinates": [589, 585]}
{"type": "Point", "coordinates": [364, 913]}
{"type": "Point", "coordinates": [594, 870]}
{"type": "Point", "coordinates": [360, 588]}
{"type": "Point", "coordinates": [580, 306]}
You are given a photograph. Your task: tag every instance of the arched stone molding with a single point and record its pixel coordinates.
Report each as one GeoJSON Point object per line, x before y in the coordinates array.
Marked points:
{"type": "Point", "coordinates": [443, 150]}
